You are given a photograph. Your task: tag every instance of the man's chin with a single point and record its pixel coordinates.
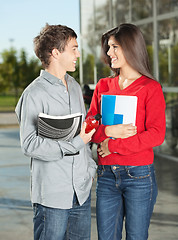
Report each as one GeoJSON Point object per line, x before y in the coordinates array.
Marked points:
{"type": "Point", "coordinates": [72, 70]}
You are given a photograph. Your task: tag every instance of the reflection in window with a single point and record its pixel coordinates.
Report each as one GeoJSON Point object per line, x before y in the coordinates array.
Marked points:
{"type": "Point", "coordinates": [121, 11]}
{"type": "Point", "coordinates": [101, 9]}
{"type": "Point", "coordinates": [170, 145]}
{"type": "Point", "coordinates": [141, 9]}
{"type": "Point", "coordinates": [147, 30]}
{"type": "Point", "coordinates": [88, 60]}
{"type": "Point", "coordinates": [166, 6]}
{"type": "Point", "coordinates": [168, 52]}
{"type": "Point", "coordinates": [129, 11]}
{"type": "Point", "coordinates": [87, 16]}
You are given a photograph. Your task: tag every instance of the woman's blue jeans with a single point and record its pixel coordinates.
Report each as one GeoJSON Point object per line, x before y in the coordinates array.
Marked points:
{"type": "Point", "coordinates": [63, 224]}
{"type": "Point", "coordinates": [125, 192]}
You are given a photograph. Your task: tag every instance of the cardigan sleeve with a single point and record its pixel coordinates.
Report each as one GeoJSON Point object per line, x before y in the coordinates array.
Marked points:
{"type": "Point", "coordinates": [154, 132]}
{"type": "Point", "coordinates": [32, 145]}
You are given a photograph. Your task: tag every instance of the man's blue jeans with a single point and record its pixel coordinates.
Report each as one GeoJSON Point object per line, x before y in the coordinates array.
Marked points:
{"type": "Point", "coordinates": [63, 224]}
{"type": "Point", "coordinates": [125, 191]}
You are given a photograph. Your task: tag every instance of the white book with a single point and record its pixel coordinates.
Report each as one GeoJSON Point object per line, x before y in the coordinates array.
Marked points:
{"type": "Point", "coordinates": [118, 109]}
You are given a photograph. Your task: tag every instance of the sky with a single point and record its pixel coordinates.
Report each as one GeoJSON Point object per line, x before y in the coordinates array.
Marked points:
{"type": "Point", "coordinates": [22, 20]}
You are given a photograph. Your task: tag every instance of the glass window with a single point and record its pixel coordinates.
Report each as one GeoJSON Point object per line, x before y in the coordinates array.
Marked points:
{"type": "Point", "coordinates": [92, 58]}
{"type": "Point", "coordinates": [168, 51]}
{"type": "Point", "coordinates": [87, 39]}
{"type": "Point", "coordinates": [131, 10]}
{"type": "Point", "coordinates": [121, 12]}
{"type": "Point", "coordinates": [141, 9]}
{"type": "Point", "coordinates": [88, 61]}
{"type": "Point", "coordinates": [87, 16]}
{"type": "Point", "coordinates": [147, 30]}
{"type": "Point", "coordinates": [102, 20]}
{"type": "Point", "coordinates": [170, 145]}
{"type": "Point", "coordinates": [166, 6]}
{"type": "Point", "coordinates": [102, 69]}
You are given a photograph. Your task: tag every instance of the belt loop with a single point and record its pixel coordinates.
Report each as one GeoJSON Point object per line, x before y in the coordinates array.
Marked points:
{"type": "Point", "coordinates": [149, 168]}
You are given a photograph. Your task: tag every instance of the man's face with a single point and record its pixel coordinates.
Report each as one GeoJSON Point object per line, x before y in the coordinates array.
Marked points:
{"type": "Point", "coordinates": [69, 56]}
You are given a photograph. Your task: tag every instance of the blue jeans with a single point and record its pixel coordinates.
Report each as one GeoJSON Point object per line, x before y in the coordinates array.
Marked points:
{"type": "Point", "coordinates": [125, 191]}
{"type": "Point", "coordinates": [63, 224]}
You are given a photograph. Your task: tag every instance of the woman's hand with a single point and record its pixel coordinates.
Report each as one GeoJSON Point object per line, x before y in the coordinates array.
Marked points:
{"type": "Point", "coordinates": [121, 130]}
{"type": "Point", "coordinates": [103, 150]}
{"type": "Point", "coordinates": [86, 137]}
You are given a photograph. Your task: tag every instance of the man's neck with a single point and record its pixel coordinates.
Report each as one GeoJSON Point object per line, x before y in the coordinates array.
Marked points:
{"type": "Point", "coordinates": [57, 73]}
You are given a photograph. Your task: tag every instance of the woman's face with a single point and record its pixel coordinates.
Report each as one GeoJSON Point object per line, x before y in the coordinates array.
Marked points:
{"type": "Point", "coordinates": [116, 54]}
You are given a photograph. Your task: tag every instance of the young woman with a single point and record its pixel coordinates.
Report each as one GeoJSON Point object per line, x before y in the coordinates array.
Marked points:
{"type": "Point", "coordinates": [126, 185]}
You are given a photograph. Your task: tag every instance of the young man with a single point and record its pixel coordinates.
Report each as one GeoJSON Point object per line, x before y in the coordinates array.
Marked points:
{"type": "Point", "coordinates": [60, 180]}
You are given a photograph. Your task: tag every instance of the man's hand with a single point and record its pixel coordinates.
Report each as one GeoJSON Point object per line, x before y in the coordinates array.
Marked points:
{"type": "Point", "coordinates": [103, 150]}
{"type": "Point", "coordinates": [86, 137]}
{"type": "Point", "coordinates": [121, 131]}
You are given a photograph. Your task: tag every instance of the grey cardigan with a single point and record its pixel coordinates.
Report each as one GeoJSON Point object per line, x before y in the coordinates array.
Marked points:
{"type": "Point", "coordinates": [54, 176]}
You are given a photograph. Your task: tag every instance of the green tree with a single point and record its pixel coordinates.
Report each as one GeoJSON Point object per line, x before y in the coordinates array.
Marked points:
{"type": "Point", "coordinates": [17, 71]}
{"type": "Point", "coordinates": [33, 71]}
{"type": "Point", "coordinates": [9, 70]}
{"type": "Point", "coordinates": [28, 69]}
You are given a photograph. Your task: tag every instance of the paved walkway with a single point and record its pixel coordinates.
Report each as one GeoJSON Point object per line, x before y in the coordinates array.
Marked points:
{"type": "Point", "coordinates": [8, 119]}
{"type": "Point", "coordinates": [15, 208]}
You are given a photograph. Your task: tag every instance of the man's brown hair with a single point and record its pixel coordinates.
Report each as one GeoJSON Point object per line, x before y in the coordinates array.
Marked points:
{"type": "Point", "coordinates": [50, 37]}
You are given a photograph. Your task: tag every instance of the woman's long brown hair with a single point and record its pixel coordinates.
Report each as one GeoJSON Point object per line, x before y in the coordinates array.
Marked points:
{"type": "Point", "coordinates": [131, 40]}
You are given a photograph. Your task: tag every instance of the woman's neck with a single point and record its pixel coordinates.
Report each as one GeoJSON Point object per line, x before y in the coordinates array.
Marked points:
{"type": "Point", "coordinates": [129, 75]}
{"type": "Point", "coordinates": [127, 78]}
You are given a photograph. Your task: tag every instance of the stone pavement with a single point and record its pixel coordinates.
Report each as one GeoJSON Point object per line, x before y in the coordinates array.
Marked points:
{"type": "Point", "coordinates": [8, 119]}
{"type": "Point", "coordinates": [15, 208]}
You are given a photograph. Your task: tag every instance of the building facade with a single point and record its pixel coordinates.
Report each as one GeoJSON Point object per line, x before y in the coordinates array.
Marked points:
{"type": "Point", "coordinates": [158, 21]}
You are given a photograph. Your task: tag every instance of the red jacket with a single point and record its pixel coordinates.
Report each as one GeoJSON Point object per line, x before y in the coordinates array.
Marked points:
{"type": "Point", "coordinates": [150, 121]}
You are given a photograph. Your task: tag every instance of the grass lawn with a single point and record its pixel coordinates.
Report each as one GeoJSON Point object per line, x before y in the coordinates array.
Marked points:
{"type": "Point", "coordinates": [7, 103]}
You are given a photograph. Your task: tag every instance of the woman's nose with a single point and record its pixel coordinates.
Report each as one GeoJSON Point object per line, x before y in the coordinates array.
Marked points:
{"type": "Point", "coordinates": [109, 52]}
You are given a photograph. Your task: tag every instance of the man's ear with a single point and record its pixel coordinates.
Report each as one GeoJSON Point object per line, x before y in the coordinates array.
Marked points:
{"type": "Point", "coordinates": [55, 53]}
